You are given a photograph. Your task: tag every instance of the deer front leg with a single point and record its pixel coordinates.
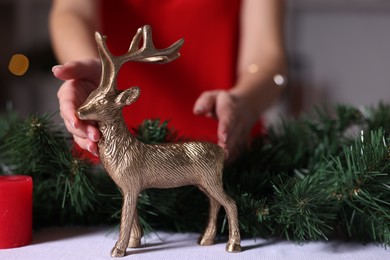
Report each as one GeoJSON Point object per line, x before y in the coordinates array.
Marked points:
{"type": "Point", "coordinates": [136, 232]}
{"type": "Point", "coordinates": [127, 218]}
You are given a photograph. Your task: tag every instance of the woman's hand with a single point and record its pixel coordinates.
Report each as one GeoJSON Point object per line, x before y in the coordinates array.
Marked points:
{"type": "Point", "coordinates": [81, 78]}
{"type": "Point", "coordinates": [236, 118]}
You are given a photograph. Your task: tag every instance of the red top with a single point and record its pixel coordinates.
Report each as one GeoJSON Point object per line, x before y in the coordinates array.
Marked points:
{"type": "Point", "coordinates": [207, 61]}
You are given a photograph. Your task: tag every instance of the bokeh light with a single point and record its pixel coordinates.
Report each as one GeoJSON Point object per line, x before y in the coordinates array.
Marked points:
{"type": "Point", "coordinates": [18, 64]}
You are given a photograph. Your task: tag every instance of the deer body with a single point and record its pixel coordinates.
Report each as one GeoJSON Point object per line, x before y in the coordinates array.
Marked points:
{"type": "Point", "coordinates": [167, 166]}
{"type": "Point", "coordinates": [135, 166]}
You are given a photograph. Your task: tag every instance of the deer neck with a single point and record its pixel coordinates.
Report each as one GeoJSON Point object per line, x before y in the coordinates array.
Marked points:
{"type": "Point", "coordinates": [115, 139]}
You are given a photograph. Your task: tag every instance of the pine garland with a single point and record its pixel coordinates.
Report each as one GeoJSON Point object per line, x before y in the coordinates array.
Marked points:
{"type": "Point", "coordinates": [312, 178]}
{"type": "Point", "coordinates": [62, 185]}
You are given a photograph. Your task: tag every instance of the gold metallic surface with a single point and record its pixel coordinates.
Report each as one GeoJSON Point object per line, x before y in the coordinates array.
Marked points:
{"type": "Point", "coordinates": [135, 166]}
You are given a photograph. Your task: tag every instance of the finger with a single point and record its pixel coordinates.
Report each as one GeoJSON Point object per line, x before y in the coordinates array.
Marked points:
{"type": "Point", "coordinates": [68, 108]}
{"type": "Point", "coordinates": [87, 144]}
{"type": "Point", "coordinates": [226, 120]}
{"type": "Point", "coordinates": [85, 130]}
{"type": "Point", "coordinates": [205, 104]}
{"type": "Point", "coordinates": [226, 132]}
{"type": "Point", "coordinates": [93, 131]}
{"type": "Point", "coordinates": [224, 136]}
{"type": "Point", "coordinates": [71, 95]}
{"type": "Point", "coordinates": [223, 130]}
{"type": "Point", "coordinates": [86, 69]}
{"type": "Point", "coordinates": [232, 142]}
{"type": "Point", "coordinates": [68, 103]}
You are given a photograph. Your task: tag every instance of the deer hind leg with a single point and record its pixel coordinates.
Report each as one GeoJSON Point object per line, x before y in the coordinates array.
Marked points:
{"type": "Point", "coordinates": [208, 236]}
{"type": "Point", "coordinates": [127, 217]}
{"type": "Point", "coordinates": [217, 192]}
{"type": "Point", "coordinates": [136, 232]}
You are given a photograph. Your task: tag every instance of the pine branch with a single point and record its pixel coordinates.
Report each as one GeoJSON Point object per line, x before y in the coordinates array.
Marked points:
{"type": "Point", "coordinates": [363, 185]}
{"type": "Point", "coordinates": [151, 131]}
{"type": "Point", "coordinates": [304, 209]}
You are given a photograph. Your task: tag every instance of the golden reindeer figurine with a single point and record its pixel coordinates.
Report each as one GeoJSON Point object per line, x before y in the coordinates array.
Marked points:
{"type": "Point", "coordinates": [135, 166]}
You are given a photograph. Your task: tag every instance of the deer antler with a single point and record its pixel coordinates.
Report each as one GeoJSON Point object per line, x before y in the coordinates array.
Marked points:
{"type": "Point", "coordinates": [147, 53]}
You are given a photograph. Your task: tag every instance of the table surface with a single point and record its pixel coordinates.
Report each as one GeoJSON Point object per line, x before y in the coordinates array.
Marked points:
{"type": "Point", "coordinates": [96, 243]}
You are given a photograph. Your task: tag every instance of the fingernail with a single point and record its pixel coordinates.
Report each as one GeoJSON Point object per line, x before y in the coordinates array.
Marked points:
{"type": "Point", "coordinates": [199, 109]}
{"type": "Point", "coordinates": [92, 137]}
{"type": "Point", "coordinates": [56, 67]}
{"type": "Point", "coordinates": [72, 123]}
{"type": "Point", "coordinates": [89, 148]}
{"type": "Point", "coordinates": [224, 137]}
{"type": "Point", "coordinates": [211, 115]}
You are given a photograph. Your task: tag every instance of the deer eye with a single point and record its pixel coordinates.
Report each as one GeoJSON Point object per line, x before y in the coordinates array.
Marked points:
{"type": "Point", "coordinates": [102, 101]}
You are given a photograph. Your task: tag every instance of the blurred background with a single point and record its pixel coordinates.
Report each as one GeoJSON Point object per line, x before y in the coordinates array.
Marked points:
{"type": "Point", "coordinates": [338, 53]}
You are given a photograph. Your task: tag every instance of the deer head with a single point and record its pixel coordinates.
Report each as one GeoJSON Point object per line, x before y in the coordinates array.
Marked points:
{"type": "Point", "coordinates": [107, 100]}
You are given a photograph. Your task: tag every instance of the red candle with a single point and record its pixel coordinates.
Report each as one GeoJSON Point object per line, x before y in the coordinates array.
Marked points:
{"type": "Point", "coordinates": [15, 210]}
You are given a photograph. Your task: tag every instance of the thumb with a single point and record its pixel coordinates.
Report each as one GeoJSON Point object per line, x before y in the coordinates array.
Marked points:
{"type": "Point", "coordinates": [205, 104]}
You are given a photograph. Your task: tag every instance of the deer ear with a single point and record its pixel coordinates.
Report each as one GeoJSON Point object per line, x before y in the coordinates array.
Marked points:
{"type": "Point", "coordinates": [128, 96]}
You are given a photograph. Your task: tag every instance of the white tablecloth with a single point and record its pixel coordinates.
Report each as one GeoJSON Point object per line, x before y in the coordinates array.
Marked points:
{"type": "Point", "coordinates": [96, 243]}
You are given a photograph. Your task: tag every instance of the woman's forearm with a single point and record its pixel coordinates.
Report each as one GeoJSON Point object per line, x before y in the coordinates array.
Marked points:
{"type": "Point", "coordinates": [261, 54]}
{"type": "Point", "coordinates": [72, 25]}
